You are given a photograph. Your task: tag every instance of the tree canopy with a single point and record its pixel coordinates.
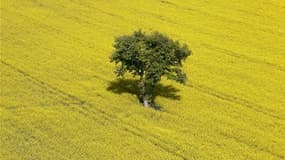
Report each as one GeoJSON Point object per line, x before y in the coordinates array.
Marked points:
{"type": "Point", "coordinates": [149, 56]}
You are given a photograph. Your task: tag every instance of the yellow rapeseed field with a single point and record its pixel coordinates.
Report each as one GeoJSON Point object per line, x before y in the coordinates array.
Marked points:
{"type": "Point", "coordinates": [60, 98]}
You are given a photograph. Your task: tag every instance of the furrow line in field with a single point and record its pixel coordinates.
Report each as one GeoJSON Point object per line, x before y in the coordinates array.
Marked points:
{"type": "Point", "coordinates": [136, 131]}
{"type": "Point", "coordinates": [50, 89]}
{"type": "Point", "coordinates": [168, 20]}
{"type": "Point", "coordinates": [56, 30]}
{"type": "Point", "coordinates": [157, 16]}
{"type": "Point", "coordinates": [233, 99]}
{"type": "Point", "coordinates": [35, 131]}
{"type": "Point", "coordinates": [90, 7]}
{"type": "Point", "coordinates": [46, 91]}
{"type": "Point", "coordinates": [238, 140]}
{"type": "Point", "coordinates": [199, 30]}
{"type": "Point", "coordinates": [246, 12]}
{"type": "Point", "coordinates": [223, 18]}
{"type": "Point", "coordinates": [241, 56]}
{"type": "Point", "coordinates": [275, 5]}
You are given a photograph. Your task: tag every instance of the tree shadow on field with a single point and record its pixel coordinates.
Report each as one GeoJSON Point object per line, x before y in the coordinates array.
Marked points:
{"type": "Point", "coordinates": [131, 86]}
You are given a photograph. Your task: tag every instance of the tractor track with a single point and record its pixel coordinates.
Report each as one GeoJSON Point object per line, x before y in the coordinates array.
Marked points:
{"type": "Point", "coordinates": [223, 18]}
{"type": "Point", "coordinates": [84, 108]}
{"type": "Point", "coordinates": [54, 29]}
{"type": "Point", "coordinates": [239, 140]}
{"type": "Point", "coordinates": [34, 132]}
{"type": "Point", "coordinates": [233, 99]}
{"type": "Point", "coordinates": [241, 56]}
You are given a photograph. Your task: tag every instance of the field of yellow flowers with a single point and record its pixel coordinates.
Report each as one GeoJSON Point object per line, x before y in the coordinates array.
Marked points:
{"type": "Point", "coordinates": [60, 99]}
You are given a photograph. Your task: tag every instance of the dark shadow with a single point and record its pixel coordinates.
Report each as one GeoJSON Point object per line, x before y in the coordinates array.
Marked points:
{"type": "Point", "coordinates": [131, 86]}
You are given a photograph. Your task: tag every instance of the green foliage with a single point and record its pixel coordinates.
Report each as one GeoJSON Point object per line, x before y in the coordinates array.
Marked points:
{"type": "Point", "coordinates": [150, 57]}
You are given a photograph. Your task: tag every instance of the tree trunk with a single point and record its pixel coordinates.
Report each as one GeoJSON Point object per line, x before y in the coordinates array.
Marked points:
{"type": "Point", "coordinates": [145, 103]}
{"type": "Point", "coordinates": [143, 95]}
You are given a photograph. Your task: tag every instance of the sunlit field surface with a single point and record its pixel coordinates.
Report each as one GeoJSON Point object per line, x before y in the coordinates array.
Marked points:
{"type": "Point", "coordinates": [60, 98]}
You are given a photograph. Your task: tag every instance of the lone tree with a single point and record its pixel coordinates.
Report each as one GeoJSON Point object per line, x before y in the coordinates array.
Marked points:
{"type": "Point", "coordinates": [149, 56]}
